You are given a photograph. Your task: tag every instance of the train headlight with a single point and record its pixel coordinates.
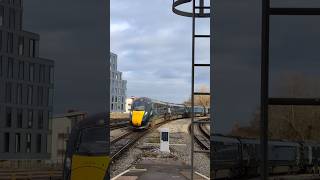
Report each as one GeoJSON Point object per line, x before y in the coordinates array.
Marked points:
{"type": "Point", "coordinates": [146, 113]}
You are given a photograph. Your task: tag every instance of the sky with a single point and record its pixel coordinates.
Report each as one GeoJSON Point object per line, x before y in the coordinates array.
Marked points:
{"type": "Point", "coordinates": [154, 52]}
{"type": "Point", "coordinates": [154, 49]}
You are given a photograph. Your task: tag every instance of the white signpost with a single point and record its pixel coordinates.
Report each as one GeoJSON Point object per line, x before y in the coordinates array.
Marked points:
{"type": "Point", "coordinates": [164, 140]}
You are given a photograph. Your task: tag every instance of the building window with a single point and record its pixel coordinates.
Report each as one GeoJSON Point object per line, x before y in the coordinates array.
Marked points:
{"type": "Point", "coordinates": [20, 3]}
{"type": "Point", "coordinates": [19, 94]}
{"type": "Point", "coordinates": [50, 96]}
{"type": "Point", "coordinates": [19, 118]}
{"type": "Point", "coordinates": [18, 142]}
{"type": "Point", "coordinates": [28, 145]}
{"type": "Point", "coordinates": [1, 16]}
{"type": "Point", "coordinates": [40, 96]}
{"type": "Point", "coordinates": [51, 75]}
{"type": "Point", "coordinates": [32, 48]}
{"type": "Point", "coordinates": [30, 95]}
{"type": "Point", "coordinates": [39, 143]}
{"type": "Point", "coordinates": [1, 65]}
{"type": "Point", "coordinates": [8, 92]}
{"type": "Point", "coordinates": [21, 46]}
{"type": "Point", "coordinates": [0, 38]}
{"type": "Point", "coordinates": [112, 106]}
{"type": "Point", "coordinates": [42, 73]}
{"type": "Point", "coordinates": [49, 124]}
{"type": "Point", "coordinates": [30, 118]}
{"type": "Point", "coordinates": [10, 42]}
{"type": "Point", "coordinates": [8, 117]}
{"type": "Point", "coordinates": [6, 142]}
{"type": "Point", "coordinates": [10, 68]}
{"type": "Point", "coordinates": [31, 72]}
{"type": "Point", "coordinates": [40, 119]}
{"type": "Point", "coordinates": [21, 70]}
{"type": "Point", "coordinates": [18, 20]}
{"type": "Point", "coordinates": [12, 18]}
{"type": "Point", "coordinates": [121, 106]}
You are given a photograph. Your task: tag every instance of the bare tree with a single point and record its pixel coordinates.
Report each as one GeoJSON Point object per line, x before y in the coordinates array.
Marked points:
{"type": "Point", "coordinates": [289, 122]}
{"type": "Point", "coordinates": [200, 100]}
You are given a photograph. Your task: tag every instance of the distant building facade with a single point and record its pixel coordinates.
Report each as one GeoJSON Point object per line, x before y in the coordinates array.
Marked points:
{"type": "Point", "coordinates": [26, 89]}
{"type": "Point", "coordinates": [129, 103]}
{"type": "Point", "coordinates": [118, 87]}
{"type": "Point", "coordinates": [61, 129]}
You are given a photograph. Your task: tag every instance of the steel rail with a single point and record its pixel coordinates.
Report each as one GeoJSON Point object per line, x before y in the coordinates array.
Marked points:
{"type": "Point", "coordinates": [133, 137]}
{"type": "Point", "coordinates": [204, 131]}
{"type": "Point", "coordinates": [199, 138]}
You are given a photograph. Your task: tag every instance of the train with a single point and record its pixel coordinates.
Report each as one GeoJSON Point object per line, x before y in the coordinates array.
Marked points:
{"type": "Point", "coordinates": [146, 112]}
{"type": "Point", "coordinates": [235, 157]}
{"type": "Point", "coordinates": [86, 156]}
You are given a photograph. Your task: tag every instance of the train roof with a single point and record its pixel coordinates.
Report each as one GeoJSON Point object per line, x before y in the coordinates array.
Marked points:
{"type": "Point", "coordinates": [311, 143]}
{"type": "Point", "coordinates": [98, 119]}
{"type": "Point", "coordinates": [249, 141]}
{"type": "Point", "coordinates": [219, 137]}
{"type": "Point", "coordinates": [283, 143]}
{"type": "Point", "coordinates": [222, 138]}
{"type": "Point", "coordinates": [159, 102]}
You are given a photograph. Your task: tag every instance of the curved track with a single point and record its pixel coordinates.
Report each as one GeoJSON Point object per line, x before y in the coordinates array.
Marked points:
{"type": "Point", "coordinates": [201, 135]}
{"type": "Point", "coordinates": [204, 130]}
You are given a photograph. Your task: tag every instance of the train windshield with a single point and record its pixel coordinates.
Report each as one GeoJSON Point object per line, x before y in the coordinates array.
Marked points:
{"type": "Point", "coordinates": [92, 141]}
{"type": "Point", "coordinates": [138, 106]}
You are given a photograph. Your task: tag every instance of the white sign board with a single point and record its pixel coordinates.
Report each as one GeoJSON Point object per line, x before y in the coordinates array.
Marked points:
{"type": "Point", "coordinates": [164, 140]}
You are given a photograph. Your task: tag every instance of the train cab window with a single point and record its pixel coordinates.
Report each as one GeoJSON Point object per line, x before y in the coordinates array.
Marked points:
{"type": "Point", "coordinates": [92, 141]}
{"type": "Point", "coordinates": [138, 106]}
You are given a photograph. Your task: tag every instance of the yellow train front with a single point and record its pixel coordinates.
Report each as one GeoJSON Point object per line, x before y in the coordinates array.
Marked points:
{"type": "Point", "coordinates": [87, 155]}
{"type": "Point", "coordinates": [143, 113]}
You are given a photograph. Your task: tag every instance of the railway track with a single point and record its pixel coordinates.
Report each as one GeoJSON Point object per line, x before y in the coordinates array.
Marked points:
{"type": "Point", "coordinates": [119, 124]}
{"type": "Point", "coordinates": [201, 136]}
{"type": "Point", "coordinates": [122, 143]}
{"type": "Point", "coordinates": [204, 130]}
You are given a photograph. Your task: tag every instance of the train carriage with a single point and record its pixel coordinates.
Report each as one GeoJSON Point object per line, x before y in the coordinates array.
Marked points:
{"type": "Point", "coordinates": [147, 112]}
{"type": "Point", "coordinates": [227, 156]}
{"type": "Point", "coordinates": [283, 156]}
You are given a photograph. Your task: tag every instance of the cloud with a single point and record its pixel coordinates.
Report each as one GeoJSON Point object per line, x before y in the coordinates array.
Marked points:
{"type": "Point", "coordinates": [119, 27]}
{"type": "Point", "coordinates": [155, 56]}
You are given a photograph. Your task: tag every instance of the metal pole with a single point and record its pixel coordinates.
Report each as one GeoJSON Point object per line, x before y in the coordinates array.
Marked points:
{"type": "Point", "coordinates": [264, 89]}
{"type": "Point", "coordinates": [192, 85]}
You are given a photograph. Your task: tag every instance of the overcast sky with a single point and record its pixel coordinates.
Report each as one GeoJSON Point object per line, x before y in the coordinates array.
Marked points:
{"type": "Point", "coordinates": [153, 47]}
{"type": "Point", "coordinates": [154, 52]}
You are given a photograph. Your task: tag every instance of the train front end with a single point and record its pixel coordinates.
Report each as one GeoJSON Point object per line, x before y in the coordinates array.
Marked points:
{"type": "Point", "coordinates": [140, 113]}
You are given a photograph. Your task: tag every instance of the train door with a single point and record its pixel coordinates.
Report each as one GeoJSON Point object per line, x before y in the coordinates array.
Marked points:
{"type": "Point", "coordinates": [90, 159]}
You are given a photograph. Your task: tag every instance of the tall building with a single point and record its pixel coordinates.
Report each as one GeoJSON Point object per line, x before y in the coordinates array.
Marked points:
{"type": "Point", "coordinates": [118, 87]}
{"type": "Point", "coordinates": [26, 89]}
